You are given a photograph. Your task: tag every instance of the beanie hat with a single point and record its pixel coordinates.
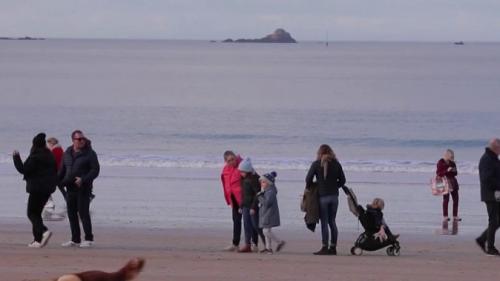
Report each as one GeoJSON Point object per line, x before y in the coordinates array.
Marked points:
{"type": "Point", "coordinates": [270, 177]}
{"type": "Point", "coordinates": [39, 141]}
{"type": "Point", "coordinates": [246, 166]}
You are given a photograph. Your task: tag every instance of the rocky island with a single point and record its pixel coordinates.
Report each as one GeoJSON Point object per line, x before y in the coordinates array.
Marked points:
{"type": "Point", "coordinates": [21, 38]}
{"type": "Point", "coordinates": [278, 36]}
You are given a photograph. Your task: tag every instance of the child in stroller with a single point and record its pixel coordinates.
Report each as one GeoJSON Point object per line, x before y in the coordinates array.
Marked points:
{"type": "Point", "coordinates": [377, 234]}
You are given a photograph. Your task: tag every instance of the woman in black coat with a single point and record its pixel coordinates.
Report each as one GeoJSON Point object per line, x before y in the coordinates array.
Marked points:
{"type": "Point", "coordinates": [40, 174]}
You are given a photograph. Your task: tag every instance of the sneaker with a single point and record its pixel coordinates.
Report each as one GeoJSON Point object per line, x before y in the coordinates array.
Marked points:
{"type": "Point", "coordinates": [70, 244]}
{"type": "Point", "coordinates": [267, 251]}
{"type": "Point", "coordinates": [322, 252]}
{"type": "Point", "coordinates": [255, 248]}
{"type": "Point", "coordinates": [87, 244]}
{"type": "Point", "coordinates": [280, 246]}
{"type": "Point", "coordinates": [492, 252]}
{"type": "Point", "coordinates": [332, 251]}
{"type": "Point", "coordinates": [35, 244]}
{"type": "Point", "coordinates": [45, 237]}
{"type": "Point", "coordinates": [481, 245]}
{"type": "Point", "coordinates": [245, 249]}
{"type": "Point", "coordinates": [231, 248]}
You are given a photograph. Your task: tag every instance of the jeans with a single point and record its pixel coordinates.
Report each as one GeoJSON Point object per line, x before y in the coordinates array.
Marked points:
{"type": "Point", "coordinates": [328, 206]}
{"type": "Point", "coordinates": [78, 203]}
{"type": "Point", "coordinates": [446, 199]}
{"type": "Point", "coordinates": [36, 202]}
{"type": "Point", "coordinates": [236, 222]}
{"type": "Point", "coordinates": [251, 226]}
{"type": "Point", "coordinates": [488, 235]}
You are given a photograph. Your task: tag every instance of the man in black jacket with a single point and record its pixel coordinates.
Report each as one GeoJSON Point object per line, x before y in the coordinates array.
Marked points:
{"type": "Point", "coordinates": [489, 176]}
{"type": "Point", "coordinates": [80, 167]}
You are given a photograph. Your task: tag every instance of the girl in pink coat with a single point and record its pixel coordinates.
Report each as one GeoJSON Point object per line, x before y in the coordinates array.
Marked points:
{"type": "Point", "coordinates": [231, 184]}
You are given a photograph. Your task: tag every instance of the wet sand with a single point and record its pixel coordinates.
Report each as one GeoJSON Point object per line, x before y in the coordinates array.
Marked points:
{"type": "Point", "coordinates": [194, 254]}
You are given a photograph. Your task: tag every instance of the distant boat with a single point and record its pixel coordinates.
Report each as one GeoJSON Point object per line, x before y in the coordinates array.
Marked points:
{"type": "Point", "coordinates": [459, 43]}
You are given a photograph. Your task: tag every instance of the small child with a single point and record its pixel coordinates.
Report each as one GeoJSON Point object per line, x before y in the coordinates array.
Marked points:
{"type": "Point", "coordinates": [375, 220]}
{"type": "Point", "coordinates": [269, 215]}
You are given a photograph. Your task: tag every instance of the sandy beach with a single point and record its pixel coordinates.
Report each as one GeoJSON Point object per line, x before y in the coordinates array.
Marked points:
{"type": "Point", "coordinates": [194, 254]}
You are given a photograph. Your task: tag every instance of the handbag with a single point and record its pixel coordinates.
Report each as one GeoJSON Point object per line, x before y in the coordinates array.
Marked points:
{"type": "Point", "coordinates": [440, 186]}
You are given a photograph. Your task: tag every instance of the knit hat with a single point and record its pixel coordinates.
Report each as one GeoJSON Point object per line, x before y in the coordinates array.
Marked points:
{"type": "Point", "coordinates": [246, 166]}
{"type": "Point", "coordinates": [39, 140]}
{"type": "Point", "coordinates": [269, 178]}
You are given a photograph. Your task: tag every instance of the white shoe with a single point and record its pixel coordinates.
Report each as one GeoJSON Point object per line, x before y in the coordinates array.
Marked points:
{"type": "Point", "coordinates": [86, 244]}
{"type": "Point", "coordinates": [46, 237]}
{"type": "Point", "coordinates": [35, 244]}
{"type": "Point", "coordinates": [70, 244]}
{"type": "Point", "coordinates": [231, 248]}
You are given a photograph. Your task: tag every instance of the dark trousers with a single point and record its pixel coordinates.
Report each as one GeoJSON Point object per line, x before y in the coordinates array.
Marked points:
{"type": "Point", "coordinates": [446, 199]}
{"type": "Point", "coordinates": [36, 202]}
{"type": "Point", "coordinates": [251, 226]}
{"type": "Point", "coordinates": [328, 206]}
{"type": "Point", "coordinates": [78, 203]}
{"type": "Point", "coordinates": [63, 192]}
{"type": "Point", "coordinates": [236, 222]}
{"type": "Point", "coordinates": [488, 235]}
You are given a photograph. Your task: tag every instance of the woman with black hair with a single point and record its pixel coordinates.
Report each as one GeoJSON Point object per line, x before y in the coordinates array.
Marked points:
{"type": "Point", "coordinates": [40, 174]}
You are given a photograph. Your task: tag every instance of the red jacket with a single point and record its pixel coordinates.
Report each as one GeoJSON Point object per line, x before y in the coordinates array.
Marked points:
{"type": "Point", "coordinates": [58, 155]}
{"type": "Point", "coordinates": [442, 171]}
{"type": "Point", "coordinates": [231, 183]}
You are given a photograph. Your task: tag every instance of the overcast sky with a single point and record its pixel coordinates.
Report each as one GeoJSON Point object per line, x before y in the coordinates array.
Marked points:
{"type": "Point", "coordinates": [394, 20]}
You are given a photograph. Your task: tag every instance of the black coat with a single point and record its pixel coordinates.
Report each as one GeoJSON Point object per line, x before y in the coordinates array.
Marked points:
{"type": "Point", "coordinates": [251, 186]}
{"type": "Point", "coordinates": [489, 175]}
{"type": "Point", "coordinates": [334, 180]}
{"type": "Point", "coordinates": [39, 170]}
{"type": "Point", "coordinates": [83, 164]}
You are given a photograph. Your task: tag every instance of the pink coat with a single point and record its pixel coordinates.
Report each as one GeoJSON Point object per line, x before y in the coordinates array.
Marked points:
{"type": "Point", "coordinates": [231, 183]}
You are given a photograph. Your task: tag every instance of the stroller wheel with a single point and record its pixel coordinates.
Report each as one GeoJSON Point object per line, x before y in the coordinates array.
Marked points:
{"type": "Point", "coordinates": [396, 251]}
{"type": "Point", "coordinates": [356, 251]}
{"type": "Point", "coordinates": [391, 251]}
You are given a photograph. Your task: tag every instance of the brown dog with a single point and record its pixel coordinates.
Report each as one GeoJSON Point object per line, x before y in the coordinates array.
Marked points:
{"type": "Point", "coordinates": [128, 272]}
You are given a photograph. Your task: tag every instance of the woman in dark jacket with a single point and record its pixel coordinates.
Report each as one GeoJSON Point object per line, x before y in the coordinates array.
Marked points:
{"type": "Point", "coordinates": [40, 174]}
{"type": "Point", "coordinates": [446, 167]}
{"type": "Point", "coordinates": [329, 178]}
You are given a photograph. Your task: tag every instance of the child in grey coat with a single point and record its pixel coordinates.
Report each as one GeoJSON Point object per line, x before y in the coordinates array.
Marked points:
{"type": "Point", "coordinates": [269, 214]}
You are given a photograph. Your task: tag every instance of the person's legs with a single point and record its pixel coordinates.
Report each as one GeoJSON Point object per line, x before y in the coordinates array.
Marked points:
{"type": "Point", "coordinates": [247, 225]}
{"type": "Point", "coordinates": [324, 202]}
{"type": "Point", "coordinates": [488, 235]}
{"type": "Point", "coordinates": [74, 223]}
{"type": "Point", "coordinates": [84, 213]}
{"type": "Point", "coordinates": [270, 237]}
{"type": "Point", "coordinates": [255, 223]}
{"type": "Point", "coordinates": [236, 222]}
{"type": "Point", "coordinates": [333, 207]}
{"type": "Point", "coordinates": [36, 203]}
{"type": "Point", "coordinates": [446, 200]}
{"type": "Point", "coordinates": [455, 197]}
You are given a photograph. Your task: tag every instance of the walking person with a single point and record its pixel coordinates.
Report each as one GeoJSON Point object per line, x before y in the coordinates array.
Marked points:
{"type": "Point", "coordinates": [58, 152]}
{"type": "Point", "coordinates": [330, 177]}
{"type": "Point", "coordinates": [40, 174]}
{"type": "Point", "coordinates": [80, 167]}
{"type": "Point", "coordinates": [489, 176]}
{"type": "Point", "coordinates": [249, 207]}
{"type": "Point", "coordinates": [269, 214]}
{"type": "Point", "coordinates": [231, 185]}
{"type": "Point", "coordinates": [446, 167]}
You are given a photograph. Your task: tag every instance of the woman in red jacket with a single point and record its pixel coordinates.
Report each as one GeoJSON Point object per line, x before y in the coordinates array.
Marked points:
{"type": "Point", "coordinates": [446, 167]}
{"type": "Point", "coordinates": [231, 185]}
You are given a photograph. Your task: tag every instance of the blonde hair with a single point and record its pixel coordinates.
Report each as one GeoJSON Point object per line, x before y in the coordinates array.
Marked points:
{"type": "Point", "coordinates": [52, 141]}
{"type": "Point", "coordinates": [378, 203]}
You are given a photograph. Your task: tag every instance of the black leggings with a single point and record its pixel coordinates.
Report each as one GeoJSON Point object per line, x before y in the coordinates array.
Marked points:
{"type": "Point", "coordinates": [236, 221]}
{"type": "Point", "coordinates": [78, 203]}
{"type": "Point", "coordinates": [36, 202]}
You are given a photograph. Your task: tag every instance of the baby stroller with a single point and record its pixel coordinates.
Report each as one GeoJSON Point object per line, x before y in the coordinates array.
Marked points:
{"type": "Point", "coordinates": [367, 241]}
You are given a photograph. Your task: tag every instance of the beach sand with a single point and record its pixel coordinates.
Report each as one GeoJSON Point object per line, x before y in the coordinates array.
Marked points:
{"type": "Point", "coordinates": [194, 254]}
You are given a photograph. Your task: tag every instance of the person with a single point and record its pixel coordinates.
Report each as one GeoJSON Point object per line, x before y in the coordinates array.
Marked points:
{"type": "Point", "coordinates": [57, 151]}
{"type": "Point", "coordinates": [249, 207]}
{"type": "Point", "coordinates": [269, 214]}
{"type": "Point", "coordinates": [374, 220]}
{"type": "Point", "coordinates": [330, 177]}
{"type": "Point", "coordinates": [80, 167]}
{"type": "Point", "coordinates": [489, 177]}
{"type": "Point", "coordinates": [231, 185]}
{"type": "Point", "coordinates": [40, 174]}
{"type": "Point", "coordinates": [446, 167]}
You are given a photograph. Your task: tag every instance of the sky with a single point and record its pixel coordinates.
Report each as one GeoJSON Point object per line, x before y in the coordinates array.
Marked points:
{"type": "Point", "coordinates": [342, 20]}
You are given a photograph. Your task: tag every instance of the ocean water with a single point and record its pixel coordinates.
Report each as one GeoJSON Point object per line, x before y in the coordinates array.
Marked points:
{"type": "Point", "coordinates": [166, 111]}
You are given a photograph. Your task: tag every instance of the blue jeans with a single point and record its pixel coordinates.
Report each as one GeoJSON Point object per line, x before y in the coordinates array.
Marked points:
{"type": "Point", "coordinates": [328, 206]}
{"type": "Point", "coordinates": [251, 226]}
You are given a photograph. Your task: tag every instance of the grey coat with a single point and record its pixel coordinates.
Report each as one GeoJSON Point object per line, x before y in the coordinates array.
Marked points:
{"type": "Point", "coordinates": [269, 213]}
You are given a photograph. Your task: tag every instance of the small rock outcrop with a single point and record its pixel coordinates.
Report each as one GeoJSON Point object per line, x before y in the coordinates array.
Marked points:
{"type": "Point", "coordinates": [278, 36]}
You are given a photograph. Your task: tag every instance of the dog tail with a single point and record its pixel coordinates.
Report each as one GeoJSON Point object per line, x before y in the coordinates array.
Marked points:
{"type": "Point", "coordinates": [132, 268]}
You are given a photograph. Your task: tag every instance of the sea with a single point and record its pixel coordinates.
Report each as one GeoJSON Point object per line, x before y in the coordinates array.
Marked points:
{"type": "Point", "coordinates": [160, 114]}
